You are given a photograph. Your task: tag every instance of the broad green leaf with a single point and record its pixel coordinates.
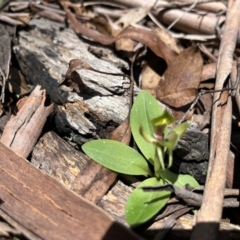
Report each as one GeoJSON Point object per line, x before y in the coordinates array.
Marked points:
{"type": "Point", "coordinates": [117, 157]}
{"type": "Point", "coordinates": [142, 206]}
{"type": "Point", "coordinates": [145, 109]}
{"type": "Point", "coordinates": [178, 179]}
{"type": "Point", "coordinates": [184, 179]}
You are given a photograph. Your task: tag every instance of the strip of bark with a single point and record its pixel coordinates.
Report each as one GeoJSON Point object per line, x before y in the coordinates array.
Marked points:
{"type": "Point", "coordinates": [45, 209]}
{"type": "Point", "coordinates": [24, 128]}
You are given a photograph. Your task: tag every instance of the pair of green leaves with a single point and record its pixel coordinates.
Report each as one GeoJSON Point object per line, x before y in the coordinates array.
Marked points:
{"type": "Point", "coordinates": [146, 114]}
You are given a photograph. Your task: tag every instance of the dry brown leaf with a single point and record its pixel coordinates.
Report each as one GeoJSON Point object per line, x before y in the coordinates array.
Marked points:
{"type": "Point", "coordinates": [182, 79]}
{"type": "Point", "coordinates": [149, 38]}
{"type": "Point", "coordinates": [152, 71]}
{"type": "Point", "coordinates": [125, 44]}
{"type": "Point", "coordinates": [133, 16]}
{"type": "Point", "coordinates": [168, 39]}
{"type": "Point", "coordinates": [74, 81]}
{"type": "Point", "coordinates": [155, 67]}
{"type": "Point", "coordinates": [122, 133]}
{"type": "Point", "coordinates": [208, 71]}
{"type": "Point", "coordinates": [207, 102]}
{"type": "Point", "coordinates": [150, 79]}
{"type": "Point", "coordinates": [11, 21]}
{"type": "Point", "coordinates": [77, 8]}
{"type": "Point", "coordinates": [101, 25]}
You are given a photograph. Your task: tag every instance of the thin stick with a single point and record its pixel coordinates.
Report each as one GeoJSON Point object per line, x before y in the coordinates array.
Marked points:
{"type": "Point", "coordinates": [176, 20]}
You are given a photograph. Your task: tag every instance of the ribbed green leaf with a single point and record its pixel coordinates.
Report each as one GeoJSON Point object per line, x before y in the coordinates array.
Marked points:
{"type": "Point", "coordinates": [142, 206]}
{"type": "Point", "coordinates": [145, 109]}
{"type": "Point", "coordinates": [117, 157]}
{"type": "Point", "coordinates": [179, 179]}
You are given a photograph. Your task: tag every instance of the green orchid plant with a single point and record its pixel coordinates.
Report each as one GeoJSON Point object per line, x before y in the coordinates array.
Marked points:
{"type": "Point", "coordinates": [150, 126]}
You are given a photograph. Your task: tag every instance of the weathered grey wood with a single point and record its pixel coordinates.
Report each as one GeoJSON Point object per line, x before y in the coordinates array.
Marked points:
{"type": "Point", "coordinates": [43, 54]}
{"type": "Point", "coordinates": [5, 49]}
{"type": "Point", "coordinates": [56, 157]}
{"type": "Point", "coordinates": [69, 166]}
{"type": "Point", "coordinates": [24, 128]}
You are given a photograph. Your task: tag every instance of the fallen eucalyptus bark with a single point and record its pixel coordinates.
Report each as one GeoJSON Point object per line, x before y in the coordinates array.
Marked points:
{"type": "Point", "coordinates": [72, 168]}
{"type": "Point", "coordinates": [43, 54]}
{"type": "Point", "coordinates": [40, 207]}
{"type": "Point", "coordinates": [23, 129]}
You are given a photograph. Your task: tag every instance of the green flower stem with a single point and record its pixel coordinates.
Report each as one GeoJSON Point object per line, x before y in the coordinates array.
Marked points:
{"type": "Point", "coordinates": [159, 161]}
{"type": "Point", "coordinates": [170, 159]}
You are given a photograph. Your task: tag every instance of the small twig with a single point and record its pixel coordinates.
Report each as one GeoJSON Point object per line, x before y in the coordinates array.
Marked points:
{"type": "Point", "coordinates": [170, 209]}
{"type": "Point", "coordinates": [195, 199]}
{"type": "Point", "coordinates": [207, 53]}
{"type": "Point", "coordinates": [185, 4]}
{"type": "Point", "coordinates": [170, 222]}
{"type": "Point", "coordinates": [184, 13]}
{"type": "Point", "coordinates": [231, 203]}
{"type": "Point", "coordinates": [191, 198]}
{"type": "Point", "coordinates": [154, 19]}
{"type": "Point", "coordinates": [227, 191]}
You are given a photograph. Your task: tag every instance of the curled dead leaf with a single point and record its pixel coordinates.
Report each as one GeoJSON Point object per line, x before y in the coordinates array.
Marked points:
{"type": "Point", "coordinates": [166, 37]}
{"type": "Point", "coordinates": [182, 79]}
{"type": "Point", "coordinates": [149, 38]}
{"type": "Point", "coordinates": [133, 16]}
{"type": "Point", "coordinates": [73, 79]}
